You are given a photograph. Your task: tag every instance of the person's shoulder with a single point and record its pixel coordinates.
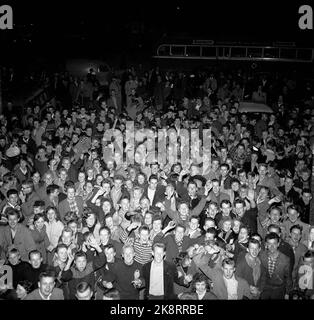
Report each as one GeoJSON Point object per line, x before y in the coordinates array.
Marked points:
{"type": "Point", "coordinates": [242, 282]}
{"type": "Point", "coordinates": [34, 295]}
{"type": "Point", "coordinates": [284, 258]}
{"type": "Point", "coordinates": [210, 296]}
{"type": "Point", "coordinates": [23, 228]}
{"type": "Point", "coordinates": [57, 294]}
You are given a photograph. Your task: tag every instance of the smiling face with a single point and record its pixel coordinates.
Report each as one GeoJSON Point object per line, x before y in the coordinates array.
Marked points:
{"type": "Point", "coordinates": [35, 260]}
{"type": "Point", "coordinates": [184, 211]}
{"type": "Point", "coordinates": [46, 286]}
{"type": "Point", "coordinates": [254, 249]}
{"type": "Point", "coordinates": [200, 287]}
{"type": "Point", "coordinates": [62, 254]}
{"type": "Point", "coordinates": [272, 245]}
{"type": "Point", "coordinates": [293, 215]}
{"type": "Point", "coordinates": [128, 255]}
{"type": "Point", "coordinates": [275, 215]}
{"type": "Point", "coordinates": [39, 223]}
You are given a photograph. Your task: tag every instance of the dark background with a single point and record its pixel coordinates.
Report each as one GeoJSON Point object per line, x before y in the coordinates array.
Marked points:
{"type": "Point", "coordinates": [55, 30]}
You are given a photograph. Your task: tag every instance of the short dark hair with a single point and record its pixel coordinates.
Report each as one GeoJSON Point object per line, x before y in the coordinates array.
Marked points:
{"type": "Point", "coordinates": [254, 241]}
{"type": "Point", "coordinates": [296, 226]}
{"type": "Point", "coordinates": [34, 252]}
{"type": "Point", "coordinates": [228, 261]}
{"type": "Point", "coordinates": [153, 176]}
{"type": "Point", "coordinates": [52, 188]}
{"type": "Point", "coordinates": [159, 245]}
{"type": "Point", "coordinates": [272, 236]}
{"type": "Point", "coordinates": [11, 192]}
{"type": "Point", "coordinates": [83, 286]}
{"type": "Point", "coordinates": [49, 273]}
{"type": "Point", "coordinates": [199, 277]}
{"type": "Point", "coordinates": [113, 294]}
{"type": "Point", "coordinates": [274, 226]}
{"type": "Point", "coordinates": [80, 254]}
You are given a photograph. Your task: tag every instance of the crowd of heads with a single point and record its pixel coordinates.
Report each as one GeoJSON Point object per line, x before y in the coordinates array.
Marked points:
{"type": "Point", "coordinates": [244, 190]}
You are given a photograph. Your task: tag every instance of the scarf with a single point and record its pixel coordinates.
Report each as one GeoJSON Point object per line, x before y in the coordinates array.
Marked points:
{"type": "Point", "coordinates": [256, 266]}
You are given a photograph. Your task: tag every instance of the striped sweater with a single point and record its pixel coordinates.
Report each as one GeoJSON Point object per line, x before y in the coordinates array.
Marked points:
{"type": "Point", "coordinates": [142, 252]}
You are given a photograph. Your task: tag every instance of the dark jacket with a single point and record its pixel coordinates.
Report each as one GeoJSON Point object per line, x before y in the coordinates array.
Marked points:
{"type": "Point", "coordinates": [172, 250]}
{"type": "Point", "coordinates": [74, 276]}
{"type": "Point", "coordinates": [23, 240]}
{"type": "Point", "coordinates": [170, 276]}
{"type": "Point", "coordinates": [281, 276]}
{"type": "Point", "coordinates": [159, 194]}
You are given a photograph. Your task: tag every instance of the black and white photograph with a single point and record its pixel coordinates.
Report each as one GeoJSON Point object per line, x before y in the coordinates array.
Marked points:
{"type": "Point", "coordinates": [154, 152]}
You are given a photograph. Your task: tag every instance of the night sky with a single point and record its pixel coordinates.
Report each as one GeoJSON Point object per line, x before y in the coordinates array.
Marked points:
{"type": "Point", "coordinates": [119, 25]}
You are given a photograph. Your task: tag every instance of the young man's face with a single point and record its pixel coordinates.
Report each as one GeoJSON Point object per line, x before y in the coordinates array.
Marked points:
{"type": "Point", "coordinates": [307, 197]}
{"type": "Point", "coordinates": [46, 286]}
{"type": "Point", "coordinates": [216, 187]}
{"type": "Point", "coordinates": [144, 235]}
{"type": "Point", "coordinates": [212, 210]}
{"type": "Point", "coordinates": [272, 245]}
{"type": "Point", "coordinates": [109, 222]}
{"type": "Point", "coordinates": [128, 256]}
{"type": "Point", "coordinates": [159, 254]}
{"type": "Point", "coordinates": [110, 254]}
{"type": "Point", "coordinates": [62, 254]}
{"type": "Point", "coordinates": [13, 221]}
{"type": "Point", "coordinates": [239, 209]}
{"type": "Point", "coordinates": [104, 236]}
{"type": "Point", "coordinates": [243, 234]}
{"type": "Point", "coordinates": [157, 225]}
{"type": "Point", "coordinates": [148, 219]}
{"type": "Point", "coordinates": [228, 271]}
{"type": "Point", "coordinates": [125, 204]}
{"type": "Point", "coordinates": [80, 263]}
{"type": "Point", "coordinates": [223, 171]}
{"type": "Point", "coordinates": [262, 170]}
{"type": "Point", "coordinates": [118, 184]}
{"type": "Point", "coordinates": [236, 226]}
{"type": "Point", "coordinates": [227, 226]}
{"type": "Point", "coordinates": [184, 211]}
{"type": "Point", "coordinates": [295, 235]}
{"type": "Point", "coordinates": [67, 238]}
{"type": "Point", "coordinates": [63, 175]}
{"type": "Point", "coordinates": [179, 233]}
{"type": "Point", "coordinates": [293, 215]}
{"type": "Point", "coordinates": [13, 199]}
{"type": "Point", "coordinates": [193, 224]}
{"type": "Point", "coordinates": [14, 258]}
{"type": "Point", "coordinates": [35, 260]}
{"type": "Point", "coordinates": [192, 189]}
{"type": "Point", "coordinates": [254, 249]}
{"type": "Point", "coordinates": [71, 193]}
{"type": "Point", "coordinates": [66, 164]}
{"type": "Point", "coordinates": [225, 208]}
{"type": "Point", "coordinates": [73, 226]}
{"type": "Point", "coordinates": [274, 215]}
{"type": "Point", "coordinates": [200, 287]}
{"type": "Point", "coordinates": [153, 184]}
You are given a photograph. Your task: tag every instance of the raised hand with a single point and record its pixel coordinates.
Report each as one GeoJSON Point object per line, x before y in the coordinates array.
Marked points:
{"type": "Point", "coordinates": [172, 224]}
